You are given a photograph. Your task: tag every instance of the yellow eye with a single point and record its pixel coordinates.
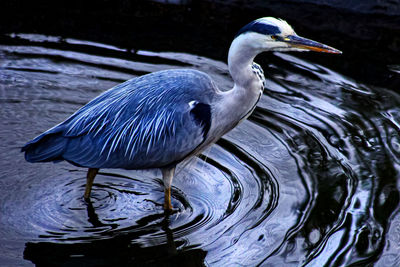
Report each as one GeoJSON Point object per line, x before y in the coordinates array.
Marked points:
{"type": "Point", "coordinates": [273, 37]}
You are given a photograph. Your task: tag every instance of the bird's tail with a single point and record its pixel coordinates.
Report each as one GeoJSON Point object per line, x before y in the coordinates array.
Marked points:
{"type": "Point", "coordinates": [45, 147]}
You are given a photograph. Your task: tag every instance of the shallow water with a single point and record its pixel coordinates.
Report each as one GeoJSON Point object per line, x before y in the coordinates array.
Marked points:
{"type": "Point", "coordinates": [311, 178]}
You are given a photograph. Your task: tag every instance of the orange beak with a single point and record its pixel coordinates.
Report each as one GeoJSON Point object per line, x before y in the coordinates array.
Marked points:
{"type": "Point", "coordinates": [303, 43]}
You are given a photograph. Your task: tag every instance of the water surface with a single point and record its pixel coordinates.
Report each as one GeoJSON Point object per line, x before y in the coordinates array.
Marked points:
{"type": "Point", "coordinates": [311, 178]}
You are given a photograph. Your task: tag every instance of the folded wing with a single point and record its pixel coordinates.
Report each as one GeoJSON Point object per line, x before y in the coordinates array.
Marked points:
{"type": "Point", "coordinates": [147, 122]}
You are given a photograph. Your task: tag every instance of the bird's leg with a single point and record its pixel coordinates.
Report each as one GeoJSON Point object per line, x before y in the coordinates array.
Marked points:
{"type": "Point", "coordinates": [91, 174]}
{"type": "Point", "coordinates": [168, 174]}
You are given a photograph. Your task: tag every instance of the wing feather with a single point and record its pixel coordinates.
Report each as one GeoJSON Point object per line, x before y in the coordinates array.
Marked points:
{"type": "Point", "coordinates": [142, 123]}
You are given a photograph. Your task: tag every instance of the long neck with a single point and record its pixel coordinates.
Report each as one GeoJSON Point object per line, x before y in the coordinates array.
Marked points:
{"type": "Point", "coordinates": [240, 61]}
{"type": "Point", "coordinates": [236, 104]}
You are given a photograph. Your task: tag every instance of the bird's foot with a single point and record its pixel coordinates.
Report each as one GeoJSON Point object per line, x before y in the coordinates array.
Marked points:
{"type": "Point", "coordinates": [167, 209]}
{"type": "Point", "coordinates": [170, 211]}
{"type": "Point", "coordinates": [168, 206]}
{"type": "Point", "coordinates": [87, 199]}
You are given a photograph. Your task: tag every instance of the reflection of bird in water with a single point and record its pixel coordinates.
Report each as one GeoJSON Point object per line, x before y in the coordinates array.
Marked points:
{"type": "Point", "coordinates": [160, 119]}
{"type": "Point", "coordinates": [119, 247]}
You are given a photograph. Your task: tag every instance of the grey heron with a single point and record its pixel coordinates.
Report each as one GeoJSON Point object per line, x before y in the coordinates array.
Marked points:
{"type": "Point", "coordinates": [163, 118]}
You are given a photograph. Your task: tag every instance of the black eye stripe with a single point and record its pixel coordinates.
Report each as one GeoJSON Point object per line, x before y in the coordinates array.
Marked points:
{"type": "Point", "coordinates": [259, 27]}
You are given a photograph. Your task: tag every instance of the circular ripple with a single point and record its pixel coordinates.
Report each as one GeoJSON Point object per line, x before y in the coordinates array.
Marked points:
{"type": "Point", "coordinates": [294, 183]}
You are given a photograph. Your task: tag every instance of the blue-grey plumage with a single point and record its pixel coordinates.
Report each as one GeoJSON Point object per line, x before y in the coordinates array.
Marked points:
{"type": "Point", "coordinates": [146, 122]}
{"type": "Point", "coordinates": [160, 119]}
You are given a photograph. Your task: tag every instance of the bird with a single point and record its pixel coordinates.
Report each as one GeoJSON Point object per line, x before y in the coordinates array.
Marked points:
{"type": "Point", "coordinates": [161, 119]}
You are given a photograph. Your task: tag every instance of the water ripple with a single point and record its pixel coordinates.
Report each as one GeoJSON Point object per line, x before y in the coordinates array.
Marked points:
{"type": "Point", "coordinates": [311, 178]}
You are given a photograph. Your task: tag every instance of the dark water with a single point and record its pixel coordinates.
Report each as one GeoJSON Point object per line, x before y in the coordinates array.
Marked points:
{"type": "Point", "coordinates": [310, 179]}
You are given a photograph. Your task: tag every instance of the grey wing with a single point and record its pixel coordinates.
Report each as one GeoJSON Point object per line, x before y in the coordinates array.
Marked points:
{"type": "Point", "coordinates": [150, 121]}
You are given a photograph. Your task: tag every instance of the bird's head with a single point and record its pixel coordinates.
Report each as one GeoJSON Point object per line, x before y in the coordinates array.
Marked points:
{"type": "Point", "coordinates": [271, 34]}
